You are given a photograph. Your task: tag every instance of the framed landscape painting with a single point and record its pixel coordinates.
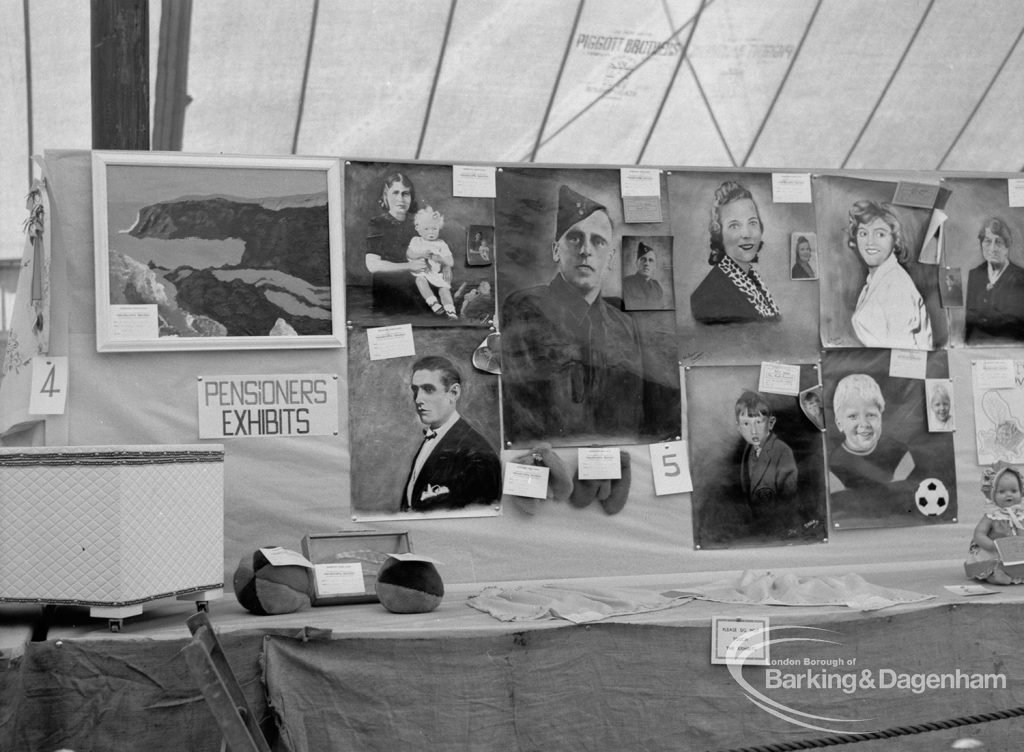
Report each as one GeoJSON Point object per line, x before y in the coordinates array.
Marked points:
{"type": "Point", "coordinates": [217, 252]}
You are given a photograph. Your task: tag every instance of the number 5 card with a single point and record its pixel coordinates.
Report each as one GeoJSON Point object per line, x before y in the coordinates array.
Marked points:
{"type": "Point", "coordinates": [671, 468]}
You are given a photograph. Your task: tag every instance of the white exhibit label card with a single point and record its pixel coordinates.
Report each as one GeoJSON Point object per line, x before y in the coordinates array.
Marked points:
{"type": "Point", "coordinates": [49, 385]}
{"type": "Point", "coordinates": [742, 642]}
{"type": "Point", "coordinates": [134, 322]}
{"type": "Point", "coordinates": [474, 181]}
{"type": "Point", "coordinates": [303, 404]}
{"type": "Point", "coordinates": [920, 195]}
{"type": "Point", "coordinates": [908, 364]}
{"type": "Point", "coordinates": [779, 378]}
{"type": "Point", "coordinates": [1015, 191]}
{"type": "Point", "coordinates": [641, 209]}
{"type": "Point", "coordinates": [599, 463]}
{"type": "Point", "coordinates": [390, 341]}
{"type": "Point", "coordinates": [671, 468]}
{"type": "Point", "coordinates": [639, 181]}
{"type": "Point", "coordinates": [791, 187]}
{"type": "Point", "coordinates": [285, 557]}
{"type": "Point", "coordinates": [530, 481]}
{"type": "Point", "coordinates": [995, 374]}
{"type": "Point", "coordinates": [341, 578]}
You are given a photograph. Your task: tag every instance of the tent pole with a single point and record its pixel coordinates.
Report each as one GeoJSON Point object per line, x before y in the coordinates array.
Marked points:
{"type": "Point", "coordinates": [120, 74]}
{"type": "Point", "coordinates": [170, 99]}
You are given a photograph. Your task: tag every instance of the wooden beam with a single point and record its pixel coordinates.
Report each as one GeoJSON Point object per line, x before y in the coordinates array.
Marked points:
{"type": "Point", "coordinates": [120, 74]}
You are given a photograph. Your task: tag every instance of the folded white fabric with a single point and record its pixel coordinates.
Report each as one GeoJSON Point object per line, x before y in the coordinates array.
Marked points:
{"type": "Point", "coordinates": [578, 605]}
{"type": "Point", "coordinates": [767, 588]}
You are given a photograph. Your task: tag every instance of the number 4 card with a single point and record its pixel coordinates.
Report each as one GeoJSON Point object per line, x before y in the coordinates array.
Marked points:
{"type": "Point", "coordinates": [49, 385]}
{"type": "Point", "coordinates": [670, 465]}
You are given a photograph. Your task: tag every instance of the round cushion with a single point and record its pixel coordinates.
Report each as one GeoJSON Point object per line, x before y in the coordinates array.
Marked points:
{"type": "Point", "coordinates": [409, 587]}
{"type": "Point", "coordinates": [264, 588]}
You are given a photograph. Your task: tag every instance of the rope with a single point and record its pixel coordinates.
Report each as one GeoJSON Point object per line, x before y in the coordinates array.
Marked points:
{"type": "Point", "coordinates": [831, 741]}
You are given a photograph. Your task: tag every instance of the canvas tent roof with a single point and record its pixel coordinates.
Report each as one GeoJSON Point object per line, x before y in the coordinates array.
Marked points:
{"type": "Point", "coordinates": [911, 84]}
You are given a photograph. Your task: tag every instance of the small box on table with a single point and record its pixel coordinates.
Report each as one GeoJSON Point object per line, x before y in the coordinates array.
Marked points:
{"type": "Point", "coordinates": [345, 564]}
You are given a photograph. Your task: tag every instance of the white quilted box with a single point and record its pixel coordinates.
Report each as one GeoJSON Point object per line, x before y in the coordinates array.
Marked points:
{"type": "Point", "coordinates": [110, 525]}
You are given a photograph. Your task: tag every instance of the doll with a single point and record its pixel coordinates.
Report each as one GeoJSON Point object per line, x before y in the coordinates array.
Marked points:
{"type": "Point", "coordinates": [1002, 484]}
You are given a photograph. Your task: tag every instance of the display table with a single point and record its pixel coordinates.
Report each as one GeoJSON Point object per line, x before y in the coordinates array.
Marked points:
{"type": "Point", "coordinates": [357, 677]}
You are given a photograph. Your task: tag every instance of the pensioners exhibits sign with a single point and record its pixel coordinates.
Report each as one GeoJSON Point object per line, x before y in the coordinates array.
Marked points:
{"type": "Point", "coordinates": [272, 405]}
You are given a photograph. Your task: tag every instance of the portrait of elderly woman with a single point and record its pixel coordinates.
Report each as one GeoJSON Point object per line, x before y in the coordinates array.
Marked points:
{"type": "Point", "coordinates": [995, 288]}
{"type": "Point", "coordinates": [890, 311]}
{"type": "Point", "coordinates": [733, 291]}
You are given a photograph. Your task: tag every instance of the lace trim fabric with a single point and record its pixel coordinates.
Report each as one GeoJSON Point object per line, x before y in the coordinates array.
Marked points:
{"type": "Point", "coordinates": [1014, 515]}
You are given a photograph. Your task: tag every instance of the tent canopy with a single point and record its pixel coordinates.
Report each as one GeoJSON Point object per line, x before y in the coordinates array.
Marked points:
{"type": "Point", "coordinates": [815, 84]}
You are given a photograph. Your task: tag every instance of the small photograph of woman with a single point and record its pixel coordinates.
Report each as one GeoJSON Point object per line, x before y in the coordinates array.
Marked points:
{"type": "Point", "coordinates": [733, 291]}
{"type": "Point", "coordinates": [480, 246]}
{"type": "Point", "coordinates": [804, 256]}
{"type": "Point", "coordinates": [890, 311]}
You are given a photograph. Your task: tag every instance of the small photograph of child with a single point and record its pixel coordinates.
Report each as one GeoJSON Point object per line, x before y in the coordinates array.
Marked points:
{"type": "Point", "coordinates": [436, 277]}
{"type": "Point", "coordinates": [480, 246]}
{"type": "Point", "coordinates": [804, 255]}
{"type": "Point", "coordinates": [475, 303]}
{"type": "Point", "coordinates": [879, 446]}
{"type": "Point", "coordinates": [940, 404]}
{"type": "Point", "coordinates": [757, 462]}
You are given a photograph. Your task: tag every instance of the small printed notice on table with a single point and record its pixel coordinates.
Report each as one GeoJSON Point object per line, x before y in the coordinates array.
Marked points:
{"type": "Point", "coordinates": [779, 378]}
{"type": "Point", "coordinates": [671, 468]}
{"type": "Point", "coordinates": [134, 322]}
{"type": "Point", "coordinates": [741, 642]}
{"type": "Point", "coordinates": [474, 181]}
{"type": "Point", "coordinates": [341, 578]}
{"type": "Point", "coordinates": [285, 557]}
{"type": "Point", "coordinates": [530, 481]}
{"type": "Point", "coordinates": [599, 463]}
{"type": "Point", "coordinates": [969, 589]}
{"type": "Point", "coordinates": [390, 341]}
{"type": "Point", "coordinates": [791, 187]}
{"type": "Point", "coordinates": [908, 364]}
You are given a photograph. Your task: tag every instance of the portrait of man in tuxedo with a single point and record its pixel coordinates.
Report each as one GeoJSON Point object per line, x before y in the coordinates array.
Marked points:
{"type": "Point", "coordinates": [454, 467]}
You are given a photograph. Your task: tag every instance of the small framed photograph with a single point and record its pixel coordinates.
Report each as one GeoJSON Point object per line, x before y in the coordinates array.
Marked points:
{"type": "Point", "coordinates": [941, 415]}
{"type": "Point", "coordinates": [803, 255]}
{"type": "Point", "coordinates": [217, 252]}
{"type": "Point", "coordinates": [951, 291]}
{"type": "Point", "coordinates": [345, 564]}
{"type": "Point", "coordinates": [479, 245]}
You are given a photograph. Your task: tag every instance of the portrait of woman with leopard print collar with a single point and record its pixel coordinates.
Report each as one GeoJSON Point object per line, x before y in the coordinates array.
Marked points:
{"type": "Point", "coordinates": [733, 291]}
